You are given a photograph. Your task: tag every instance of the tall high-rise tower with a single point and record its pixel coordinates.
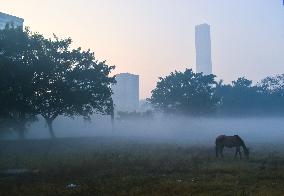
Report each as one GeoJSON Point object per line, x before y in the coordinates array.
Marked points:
{"type": "Point", "coordinates": [203, 49]}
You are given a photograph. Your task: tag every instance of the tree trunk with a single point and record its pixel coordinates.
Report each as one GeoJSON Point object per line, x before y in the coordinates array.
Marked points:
{"type": "Point", "coordinates": [21, 126]}
{"type": "Point", "coordinates": [21, 134]}
{"type": "Point", "coordinates": [112, 121]}
{"type": "Point", "coordinates": [112, 114]}
{"type": "Point", "coordinates": [50, 128]}
{"type": "Point", "coordinates": [21, 130]}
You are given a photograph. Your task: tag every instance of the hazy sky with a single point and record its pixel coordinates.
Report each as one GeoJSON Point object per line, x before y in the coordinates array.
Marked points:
{"type": "Point", "coordinates": [154, 37]}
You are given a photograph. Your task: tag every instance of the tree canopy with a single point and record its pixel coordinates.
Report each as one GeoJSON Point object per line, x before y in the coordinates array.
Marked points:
{"type": "Point", "coordinates": [186, 92]}
{"type": "Point", "coordinates": [16, 72]}
{"type": "Point", "coordinates": [240, 97]}
{"type": "Point", "coordinates": [197, 94]}
{"type": "Point", "coordinates": [41, 76]}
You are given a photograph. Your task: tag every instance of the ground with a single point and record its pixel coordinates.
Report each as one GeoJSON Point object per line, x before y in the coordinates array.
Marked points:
{"type": "Point", "coordinates": [113, 166]}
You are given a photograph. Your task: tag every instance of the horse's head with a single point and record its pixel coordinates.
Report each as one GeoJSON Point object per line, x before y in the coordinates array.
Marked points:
{"type": "Point", "coordinates": [246, 151]}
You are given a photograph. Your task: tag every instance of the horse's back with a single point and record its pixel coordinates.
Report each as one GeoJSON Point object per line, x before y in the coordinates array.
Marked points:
{"type": "Point", "coordinates": [219, 139]}
{"type": "Point", "coordinates": [229, 141]}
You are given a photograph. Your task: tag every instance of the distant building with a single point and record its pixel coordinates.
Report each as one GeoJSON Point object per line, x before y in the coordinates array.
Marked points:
{"type": "Point", "coordinates": [203, 49]}
{"type": "Point", "coordinates": [126, 92]}
{"type": "Point", "coordinates": [12, 20]}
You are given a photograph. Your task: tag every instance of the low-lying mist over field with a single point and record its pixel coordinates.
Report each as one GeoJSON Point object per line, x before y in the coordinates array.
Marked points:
{"type": "Point", "coordinates": [175, 129]}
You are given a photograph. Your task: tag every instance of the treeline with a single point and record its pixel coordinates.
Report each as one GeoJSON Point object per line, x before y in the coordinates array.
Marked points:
{"type": "Point", "coordinates": [197, 94]}
{"type": "Point", "coordinates": [43, 76]}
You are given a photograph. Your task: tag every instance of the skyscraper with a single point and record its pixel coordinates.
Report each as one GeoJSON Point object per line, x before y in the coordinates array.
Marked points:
{"type": "Point", "coordinates": [126, 92]}
{"type": "Point", "coordinates": [8, 19]}
{"type": "Point", "coordinates": [203, 49]}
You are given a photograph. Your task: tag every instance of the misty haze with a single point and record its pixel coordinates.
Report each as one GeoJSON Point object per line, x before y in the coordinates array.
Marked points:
{"type": "Point", "coordinates": [128, 97]}
{"type": "Point", "coordinates": [172, 129]}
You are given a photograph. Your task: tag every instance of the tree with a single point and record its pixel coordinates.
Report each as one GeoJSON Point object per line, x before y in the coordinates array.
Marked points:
{"type": "Point", "coordinates": [40, 76]}
{"type": "Point", "coordinates": [186, 92]}
{"type": "Point", "coordinates": [240, 97]}
{"type": "Point", "coordinates": [242, 83]}
{"type": "Point", "coordinates": [273, 84]}
{"type": "Point", "coordinates": [272, 89]}
{"type": "Point", "coordinates": [69, 82]}
{"type": "Point", "coordinates": [90, 85]}
{"type": "Point", "coordinates": [49, 80]}
{"type": "Point", "coordinates": [16, 72]}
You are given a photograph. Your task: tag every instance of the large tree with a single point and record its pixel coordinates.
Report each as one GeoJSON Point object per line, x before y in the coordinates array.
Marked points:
{"type": "Point", "coordinates": [185, 92]}
{"type": "Point", "coordinates": [69, 82]}
{"type": "Point", "coordinates": [17, 63]}
{"type": "Point", "coordinates": [240, 97]}
{"type": "Point", "coordinates": [40, 76]}
{"type": "Point", "coordinates": [272, 89]}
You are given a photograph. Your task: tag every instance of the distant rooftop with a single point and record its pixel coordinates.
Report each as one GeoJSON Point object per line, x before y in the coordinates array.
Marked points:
{"type": "Point", "coordinates": [202, 25]}
{"type": "Point", "coordinates": [126, 74]}
{"type": "Point", "coordinates": [8, 15]}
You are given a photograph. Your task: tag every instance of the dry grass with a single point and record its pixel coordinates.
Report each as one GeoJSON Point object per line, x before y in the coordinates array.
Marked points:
{"type": "Point", "coordinates": [105, 166]}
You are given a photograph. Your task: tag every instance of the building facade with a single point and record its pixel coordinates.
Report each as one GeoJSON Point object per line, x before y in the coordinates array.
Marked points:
{"type": "Point", "coordinates": [203, 49]}
{"type": "Point", "coordinates": [126, 93]}
{"type": "Point", "coordinates": [11, 20]}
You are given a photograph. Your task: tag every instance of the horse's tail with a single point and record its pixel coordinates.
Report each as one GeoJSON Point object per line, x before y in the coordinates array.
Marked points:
{"type": "Point", "coordinates": [216, 150]}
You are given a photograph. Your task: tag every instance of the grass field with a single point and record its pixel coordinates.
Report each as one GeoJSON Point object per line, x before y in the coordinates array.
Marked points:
{"type": "Point", "coordinates": [108, 166]}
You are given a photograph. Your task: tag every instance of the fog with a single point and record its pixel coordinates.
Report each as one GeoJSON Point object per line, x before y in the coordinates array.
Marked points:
{"type": "Point", "coordinates": [172, 129]}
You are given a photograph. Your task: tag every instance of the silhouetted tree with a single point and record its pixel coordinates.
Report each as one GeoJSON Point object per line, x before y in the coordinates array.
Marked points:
{"type": "Point", "coordinates": [90, 85]}
{"type": "Point", "coordinates": [40, 76]}
{"type": "Point", "coordinates": [49, 81]}
{"type": "Point", "coordinates": [17, 62]}
{"type": "Point", "coordinates": [272, 90]}
{"type": "Point", "coordinates": [185, 92]}
{"type": "Point", "coordinates": [273, 84]}
{"type": "Point", "coordinates": [239, 98]}
{"type": "Point", "coordinates": [69, 82]}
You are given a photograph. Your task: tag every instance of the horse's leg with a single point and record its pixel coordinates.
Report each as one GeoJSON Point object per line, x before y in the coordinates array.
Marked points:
{"type": "Point", "coordinates": [221, 151]}
{"type": "Point", "coordinates": [240, 153]}
{"type": "Point", "coordinates": [237, 151]}
{"type": "Point", "coordinates": [216, 151]}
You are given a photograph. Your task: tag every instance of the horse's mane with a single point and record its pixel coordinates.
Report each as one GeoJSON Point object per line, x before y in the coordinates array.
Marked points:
{"type": "Point", "coordinates": [239, 138]}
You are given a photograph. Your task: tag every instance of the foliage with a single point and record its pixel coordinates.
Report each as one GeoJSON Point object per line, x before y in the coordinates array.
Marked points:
{"type": "Point", "coordinates": [17, 62]}
{"type": "Point", "coordinates": [273, 84]}
{"type": "Point", "coordinates": [272, 89]}
{"type": "Point", "coordinates": [69, 82]}
{"type": "Point", "coordinates": [47, 77]}
{"type": "Point", "coordinates": [185, 92]}
{"type": "Point", "coordinates": [194, 93]}
{"type": "Point", "coordinates": [243, 98]}
{"type": "Point", "coordinates": [240, 97]}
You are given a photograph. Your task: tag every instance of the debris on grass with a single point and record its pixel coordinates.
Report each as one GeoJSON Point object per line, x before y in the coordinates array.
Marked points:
{"type": "Point", "coordinates": [71, 186]}
{"type": "Point", "coordinates": [21, 171]}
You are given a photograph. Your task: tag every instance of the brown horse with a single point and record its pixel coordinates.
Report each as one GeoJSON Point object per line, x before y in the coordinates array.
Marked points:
{"type": "Point", "coordinates": [230, 142]}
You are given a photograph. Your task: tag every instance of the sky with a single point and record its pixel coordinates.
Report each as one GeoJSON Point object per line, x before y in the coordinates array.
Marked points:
{"type": "Point", "coordinates": [152, 38]}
